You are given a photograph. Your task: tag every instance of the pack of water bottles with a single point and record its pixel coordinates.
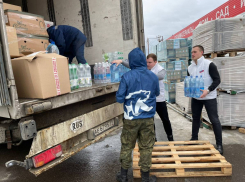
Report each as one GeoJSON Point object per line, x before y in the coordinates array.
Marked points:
{"type": "Point", "coordinates": [102, 73]}
{"type": "Point", "coordinates": [111, 56]}
{"type": "Point", "coordinates": [80, 76]}
{"type": "Point", "coordinates": [193, 86]}
{"type": "Point", "coordinates": [108, 73]}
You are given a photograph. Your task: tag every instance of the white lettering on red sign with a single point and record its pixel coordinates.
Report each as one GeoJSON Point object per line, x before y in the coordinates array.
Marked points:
{"type": "Point", "coordinates": [222, 13]}
{"type": "Point", "coordinates": [242, 3]}
{"type": "Point", "coordinates": [56, 76]}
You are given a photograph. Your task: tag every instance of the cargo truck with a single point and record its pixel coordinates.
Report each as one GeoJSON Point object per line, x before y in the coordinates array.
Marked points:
{"type": "Point", "coordinates": [61, 126]}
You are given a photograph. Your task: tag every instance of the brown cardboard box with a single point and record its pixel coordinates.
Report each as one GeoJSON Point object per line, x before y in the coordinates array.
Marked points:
{"type": "Point", "coordinates": [29, 44]}
{"type": "Point", "coordinates": [12, 41]}
{"type": "Point", "coordinates": [7, 6]}
{"type": "Point", "coordinates": [41, 75]}
{"type": "Point", "coordinates": [26, 23]}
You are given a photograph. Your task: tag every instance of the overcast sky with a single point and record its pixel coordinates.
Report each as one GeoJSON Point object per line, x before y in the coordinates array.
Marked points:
{"type": "Point", "coordinates": [167, 17]}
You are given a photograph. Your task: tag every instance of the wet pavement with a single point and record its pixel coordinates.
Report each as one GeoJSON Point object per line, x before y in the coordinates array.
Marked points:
{"type": "Point", "coordinates": [100, 162]}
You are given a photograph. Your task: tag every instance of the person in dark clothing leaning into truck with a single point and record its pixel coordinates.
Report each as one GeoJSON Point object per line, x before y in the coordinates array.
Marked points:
{"type": "Point", "coordinates": [69, 40]}
{"type": "Point", "coordinates": [207, 69]}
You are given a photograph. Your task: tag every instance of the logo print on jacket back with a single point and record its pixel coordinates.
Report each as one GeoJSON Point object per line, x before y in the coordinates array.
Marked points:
{"type": "Point", "coordinates": [140, 104]}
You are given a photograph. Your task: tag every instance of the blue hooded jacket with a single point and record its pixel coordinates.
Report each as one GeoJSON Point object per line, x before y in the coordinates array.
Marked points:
{"type": "Point", "coordinates": [138, 88]}
{"type": "Point", "coordinates": [67, 38]}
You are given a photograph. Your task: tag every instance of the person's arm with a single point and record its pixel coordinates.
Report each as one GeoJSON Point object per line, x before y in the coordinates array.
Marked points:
{"type": "Point", "coordinates": [59, 41]}
{"type": "Point", "coordinates": [157, 89]}
{"type": "Point", "coordinates": [214, 74]}
{"type": "Point", "coordinates": [122, 90]}
{"type": "Point", "coordinates": [161, 74]}
{"type": "Point", "coordinates": [123, 62]}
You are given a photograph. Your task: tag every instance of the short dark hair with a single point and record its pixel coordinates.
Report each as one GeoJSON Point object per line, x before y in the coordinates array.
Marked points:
{"type": "Point", "coordinates": [153, 56]}
{"type": "Point", "coordinates": [200, 47]}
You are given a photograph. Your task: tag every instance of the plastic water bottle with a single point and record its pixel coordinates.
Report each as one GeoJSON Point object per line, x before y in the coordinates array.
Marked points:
{"type": "Point", "coordinates": [81, 75]}
{"type": "Point", "coordinates": [120, 70]}
{"type": "Point", "coordinates": [201, 85]}
{"type": "Point", "coordinates": [197, 88]}
{"type": "Point", "coordinates": [71, 76]}
{"type": "Point", "coordinates": [52, 48]}
{"type": "Point", "coordinates": [75, 76]}
{"type": "Point", "coordinates": [96, 73]}
{"type": "Point", "coordinates": [99, 72]}
{"type": "Point", "coordinates": [114, 73]}
{"type": "Point", "coordinates": [192, 86]}
{"type": "Point", "coordinates": [104, 73]}
{"type": "Point", "coordinates": [108, 73]}
{"type": "Point", "coordinates": [187, 86]}
{"type": "Point", "coordinates": [88, 80]}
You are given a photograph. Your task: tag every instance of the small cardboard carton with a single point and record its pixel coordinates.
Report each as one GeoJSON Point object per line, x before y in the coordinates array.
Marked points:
{"type": "Point", "coordinates": [7, 6]}
{"type": "Point", "coordinates": [26, 23]}
{"type": "Point", "coordinates": [29, 44]}
{"type": "Point", "coordinates": [40, 75]}
{"type": "Point", "coordinates": [12, 41]}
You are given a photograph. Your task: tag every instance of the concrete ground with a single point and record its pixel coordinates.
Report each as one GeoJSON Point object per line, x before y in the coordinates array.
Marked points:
{"type": "Point", "coordinates": [99, 162]}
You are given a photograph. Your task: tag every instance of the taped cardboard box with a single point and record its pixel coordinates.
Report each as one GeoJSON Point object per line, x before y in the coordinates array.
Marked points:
{"type": "Point", "coordinates": [12, 41]}
{"type": "Point", "coordinates": [7, 6]}
{"type": "Point", "coordinates": [26, 23]}
{"type": "Point", "coordinates": [41, 75]}
{"type": "Point", "coordinates": [30, 44]}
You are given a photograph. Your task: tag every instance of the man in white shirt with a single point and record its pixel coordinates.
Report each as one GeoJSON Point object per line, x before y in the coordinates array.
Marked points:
{"type": "Point", "coordinates": [161, 108]}
{"type": "Point", "coordinates": [208, 70]}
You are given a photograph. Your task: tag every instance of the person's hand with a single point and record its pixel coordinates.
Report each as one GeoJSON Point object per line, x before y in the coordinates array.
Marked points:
{"type": "Point", "coordinates": [204, 94]}
{"type": "Point", "coordinates": [117, 62]}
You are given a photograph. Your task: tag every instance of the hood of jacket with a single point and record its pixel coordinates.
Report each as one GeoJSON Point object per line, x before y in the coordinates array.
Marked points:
{"type": "Point", "coordinates": [137, 59]}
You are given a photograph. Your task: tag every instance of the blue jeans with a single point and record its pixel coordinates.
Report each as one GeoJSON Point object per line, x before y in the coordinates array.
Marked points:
{"type": "Point", "coordinates": [212, 110]}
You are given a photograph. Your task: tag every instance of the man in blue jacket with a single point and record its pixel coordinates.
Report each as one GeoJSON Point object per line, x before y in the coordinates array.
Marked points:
{"type": "Point", "coordinates": [138, 90]}
{"type": "Point", "coordinates": [69, 40]}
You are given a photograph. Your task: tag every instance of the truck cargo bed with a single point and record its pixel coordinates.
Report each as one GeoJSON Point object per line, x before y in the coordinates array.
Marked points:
{"type": "Point", "coordinates": [33, 106]}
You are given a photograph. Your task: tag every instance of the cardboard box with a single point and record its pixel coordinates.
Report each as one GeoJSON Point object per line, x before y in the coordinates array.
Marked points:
{"type": "Point", "coordinates": [7, 6]}
{"type": "Point", "coordinates": [12, 41]}
{"type": "Point", "coordinates": [26, 23]}
{"type": "Point", "coordinates": [48, 24]}
{"type": "Point", "coordinates": [41, 75]}
{"type": "Point", "coordinates": [30, 44]}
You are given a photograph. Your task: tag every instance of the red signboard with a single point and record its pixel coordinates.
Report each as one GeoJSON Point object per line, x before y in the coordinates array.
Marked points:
{"type": "Point", "coordinates": [229, 9]}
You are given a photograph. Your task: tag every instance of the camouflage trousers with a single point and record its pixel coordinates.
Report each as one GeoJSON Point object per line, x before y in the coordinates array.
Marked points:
{"type": "Point", "coordinates": [143, 131]}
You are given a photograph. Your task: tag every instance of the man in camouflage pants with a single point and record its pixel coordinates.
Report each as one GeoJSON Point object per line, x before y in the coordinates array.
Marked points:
{"type": "Point", "coordinates": [138, 91]}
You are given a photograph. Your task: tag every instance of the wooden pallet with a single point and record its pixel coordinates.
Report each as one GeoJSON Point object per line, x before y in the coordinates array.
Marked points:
{"type": "Point", "coordinates": [231, 53]}
{"type": "Point", "coordinates": [173, 81]}
{"type": "Point", "coordinates": [182, 58]}
{"type": "Point", "coordinates": [184, 159]}
{"type": "Point", "coordinates": [242, 130]}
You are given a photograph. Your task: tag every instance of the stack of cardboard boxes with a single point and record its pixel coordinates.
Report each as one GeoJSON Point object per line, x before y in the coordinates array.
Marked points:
{"type": "Point", "coordinates": [173, 55]}
{"type": "Point", "coordinates": [30, 29]}
{"type": "Point", "coordinates": [37, 74]}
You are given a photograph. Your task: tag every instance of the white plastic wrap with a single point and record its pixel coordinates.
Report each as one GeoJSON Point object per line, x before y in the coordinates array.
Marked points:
{"type": "Point", "coordinates": [221, 35]}
{"type": "Point", "coordinates": [231, 109]}
{"type": "Point", "coordinates": [232, 72]}
{"type": "Point", "coordinates": [205, 35]}
{"type": "Point", "coordinates": [181, 100]}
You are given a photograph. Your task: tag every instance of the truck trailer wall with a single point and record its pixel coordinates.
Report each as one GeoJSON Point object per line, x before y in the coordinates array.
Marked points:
{"type": "Point", "coordinates": [106, 25]}
{"type": "Point", "coordinates": [105, 21]}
